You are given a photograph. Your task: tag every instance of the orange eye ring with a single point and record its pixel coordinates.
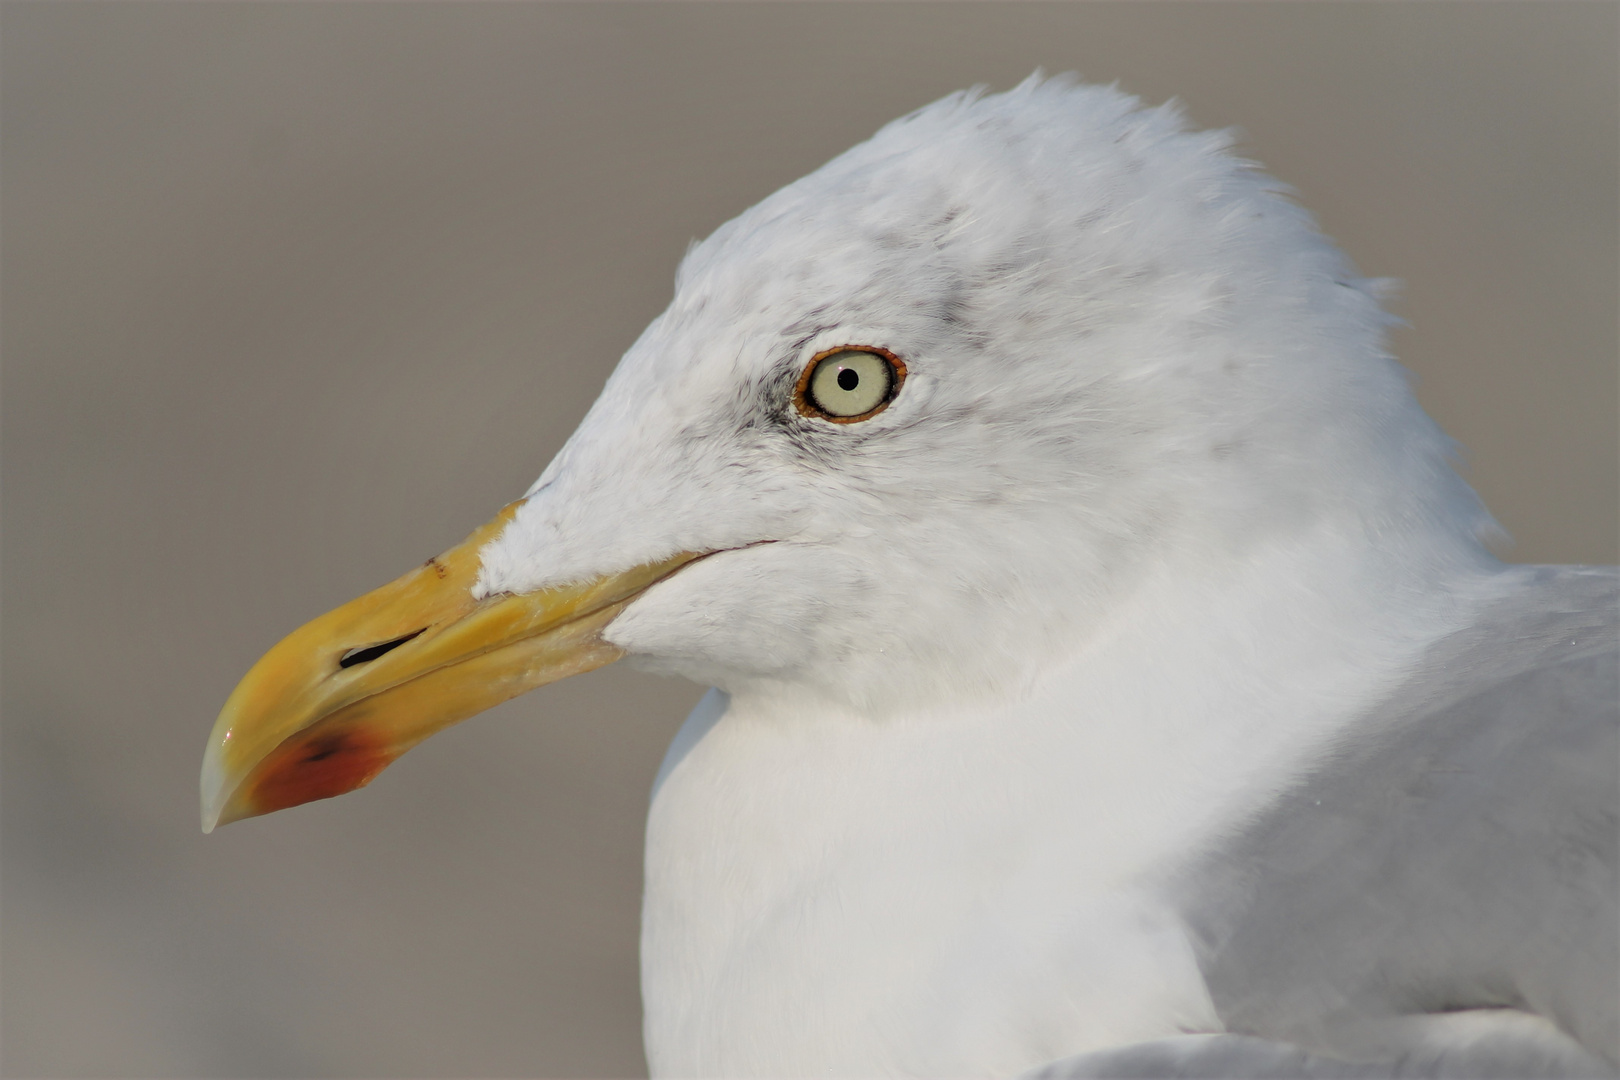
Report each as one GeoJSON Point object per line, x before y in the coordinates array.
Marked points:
{"type": "Point", "coordinates": [804, 397]}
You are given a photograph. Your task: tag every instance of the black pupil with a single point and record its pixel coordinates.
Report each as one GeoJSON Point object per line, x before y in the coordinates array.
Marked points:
{"type": "Point", "coordinates": [848, 379]}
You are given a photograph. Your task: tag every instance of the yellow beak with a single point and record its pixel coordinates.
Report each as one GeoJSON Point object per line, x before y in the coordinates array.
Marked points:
{"type": "Point", "coordinates": [339, 699]}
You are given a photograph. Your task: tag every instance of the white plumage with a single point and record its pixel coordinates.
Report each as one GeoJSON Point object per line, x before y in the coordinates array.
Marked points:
{"type": "Point", "coordinates": [1132, 696]}
{"type": "Point", "coordinates": [1153, 532]}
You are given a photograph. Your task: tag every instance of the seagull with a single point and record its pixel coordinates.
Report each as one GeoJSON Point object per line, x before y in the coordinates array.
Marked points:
{"type": "Point", "coordinates": [1109, 675]}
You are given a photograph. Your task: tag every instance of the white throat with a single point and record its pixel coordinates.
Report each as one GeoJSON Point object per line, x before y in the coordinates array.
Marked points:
{"type": "Point", "coordinates": [980, 888]}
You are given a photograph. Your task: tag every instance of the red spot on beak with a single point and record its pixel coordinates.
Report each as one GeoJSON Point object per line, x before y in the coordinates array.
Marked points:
{"type": "Point", "coordinates": [316, 764]}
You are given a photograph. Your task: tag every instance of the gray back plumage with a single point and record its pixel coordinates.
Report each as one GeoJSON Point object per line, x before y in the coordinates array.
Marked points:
{"type": "Point", "coordinates": [1459, 853]}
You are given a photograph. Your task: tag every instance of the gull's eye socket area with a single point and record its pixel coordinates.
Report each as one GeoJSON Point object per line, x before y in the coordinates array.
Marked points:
{"type": "Point", "coordinates": [849, 383]}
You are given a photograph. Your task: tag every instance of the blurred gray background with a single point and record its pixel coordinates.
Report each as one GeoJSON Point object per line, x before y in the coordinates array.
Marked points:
{"type": "Point", "coordinates": [296, 295]}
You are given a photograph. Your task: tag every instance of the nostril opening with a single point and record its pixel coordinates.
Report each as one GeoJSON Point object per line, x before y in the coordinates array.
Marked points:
{"type": "Point", "coordinates": [367, 653]}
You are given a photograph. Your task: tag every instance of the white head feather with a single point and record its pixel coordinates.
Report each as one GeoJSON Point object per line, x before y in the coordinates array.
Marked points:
{"type": "Point", "coordinates": [1127, 349]}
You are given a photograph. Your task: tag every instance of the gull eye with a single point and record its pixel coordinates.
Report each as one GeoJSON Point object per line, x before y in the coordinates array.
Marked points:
{"type": "Point", "coordinates": [849, 383]}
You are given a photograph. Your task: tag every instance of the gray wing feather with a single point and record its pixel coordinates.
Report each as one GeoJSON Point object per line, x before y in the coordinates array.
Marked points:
{"type": "Point", "coordinates": [1458, 852]}
{"type": "Point", "coordinates": [1243, 1056]}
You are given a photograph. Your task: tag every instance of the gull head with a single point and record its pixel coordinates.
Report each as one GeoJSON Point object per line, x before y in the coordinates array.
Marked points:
{"type": "Point", "coordinates": [912, 429]}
